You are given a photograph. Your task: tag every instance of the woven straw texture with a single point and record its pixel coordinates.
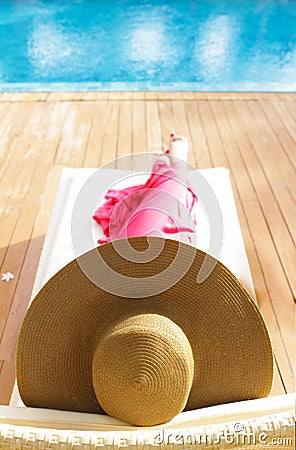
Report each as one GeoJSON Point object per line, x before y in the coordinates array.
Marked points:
{"type": "Point", "coordinates": [153, 352]}
{"type": "Point", "coordinates": [273, 431]}
{"type": "Point", "coordinates": [228, 338]}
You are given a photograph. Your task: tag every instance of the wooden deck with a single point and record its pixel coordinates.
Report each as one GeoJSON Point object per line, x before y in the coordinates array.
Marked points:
{"type": "Point", "coordinates": [254, 135]}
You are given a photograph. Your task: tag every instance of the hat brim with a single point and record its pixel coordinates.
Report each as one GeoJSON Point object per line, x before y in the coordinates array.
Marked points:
{"type": "Point", "coordinates": [230, 344]}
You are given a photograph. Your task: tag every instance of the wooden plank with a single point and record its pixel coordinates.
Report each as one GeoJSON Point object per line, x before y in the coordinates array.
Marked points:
{"type": "Point", "coordinates": [154, 136]}
{"type": "Point", "coordinates": [92, 154]}
{"type": "Point", "coordinates": [52, 121]}
{"type": "Point", "coordinates": [29, 97]}
{"type": "Point", "coordinates": [18, 97]}
{"type": "Point", "coordinates": [7, 96]}
{"type": "Point", "coordinates": [109, 146]}
{"type": "Point", "coordinates": [188, 95]}
{"type": "Point", "coordinates": [96, 95]}
{"type": "Point", "coordinates": [112, 118]}
{"type": "Point", "coordinates": [8, 149]}
{"type": "Point", "coordinates": [3, 97]}
{"type": "Point", "coordinates": [280, 173]}
{"type": "Point", "coordinates": [26, 280]}
{"type": "Point", "coordinates": [80, 97]}
{"type": "Point", "coordinates": [124, 143]}
{"type": "Point", "coordinates": [18, 166]}
{"type": "Point", "coordinates": [62, 96]}
{"type": "Point", "coordinates": [233, 156]}
{"type": "Point", "coordinates": [138, 95]}
{"type": "Point", "coordinates": [5, 109]}
{"type": "Point", "coordinates": [181, 125]}
{"type": "Point", "coordinates": [139, 134]}
{"type": "Point", "coordinates": [47, 201]}
{"type": "Point", "coordinates": [289, 103]}
{"type": "Point", "coordinates": [15, 180]}
{"type": "Point", "coordinates": [276, 284]}
{"type": "Point", "coordinates": [16, 309]}
{"type": "Point", "coordinates": [288, 144]}
{"type": "Point", "coordinates": [69, 132]}
{"type": "Point", "coordinates": [126, 95]}
{"type": "Point", "coordinates": [115, 96]}
{"type": "Point", "coordinates": [200, 148]}
{"type": "Point", "coordinates": [163, 96]}
{"type": "Point", "coordinates": [7, 115]}
{"type": "Point", "coordinates": [80, 140]}
{"type": "Point", "coordinates": [16, 150]}
{"type": "Point", "coordinates": [7, 379]}
{"type": "Point", "coordinates": [167, 121]}
{"type": "Point", "coordinates": [23, 240]}
{"type": "Point", "coordinates": [110, 136]}
{"type": "Point", "coordinates": [32, 180]}
{"type": "Point", "coordinates": [238, 115]}
{"type": "Point", "coordinates": [236, 164]}
{"type": "Point", "coordinates": [175, 95]}
{"type": "Point", "coordinates": [151, 96]}
{"type": "Point", "coordinates": [214, 143]}
{"type": "Point", "coordinates": [277, 387]}
{"type": "Point", "coordinates": [283, 378]}
{"type": "Point", "coordinates": [284, 110]}
{"type": "Point", "coordinates": [139, 129]}
{"type": "Point", "coordinates": [13, 262]}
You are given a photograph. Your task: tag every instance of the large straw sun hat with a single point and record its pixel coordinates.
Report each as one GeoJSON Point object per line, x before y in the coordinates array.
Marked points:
{"type": "Point", "coordinates": [142, 341]}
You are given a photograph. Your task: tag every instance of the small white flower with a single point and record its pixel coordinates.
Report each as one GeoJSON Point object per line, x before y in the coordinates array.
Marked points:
{"type": "Point", "coordinates": [7, 276]}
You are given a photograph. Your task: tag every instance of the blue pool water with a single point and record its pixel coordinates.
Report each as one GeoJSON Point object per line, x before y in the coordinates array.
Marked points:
{"type": "Point", "coordinates": [202, 45]}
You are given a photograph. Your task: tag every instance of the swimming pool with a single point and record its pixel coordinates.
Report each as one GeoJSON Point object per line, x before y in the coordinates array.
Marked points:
{"type": "Point", "coordinates": [205, 45]}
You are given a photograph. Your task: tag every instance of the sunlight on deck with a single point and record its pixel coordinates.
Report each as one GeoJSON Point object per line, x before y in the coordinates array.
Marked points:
{"type": "Point", "coordinates": [251, 134]}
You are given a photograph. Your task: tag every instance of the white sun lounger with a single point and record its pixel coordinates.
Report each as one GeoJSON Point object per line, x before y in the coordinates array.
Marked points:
{"type": "Point", "coordinates": [58, 251]}
{"type": "Point", "coordinates": [254, 423]}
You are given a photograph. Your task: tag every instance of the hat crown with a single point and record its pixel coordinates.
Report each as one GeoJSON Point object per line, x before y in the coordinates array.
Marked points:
{"type": "Point", "coordinates": [143, 370]}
